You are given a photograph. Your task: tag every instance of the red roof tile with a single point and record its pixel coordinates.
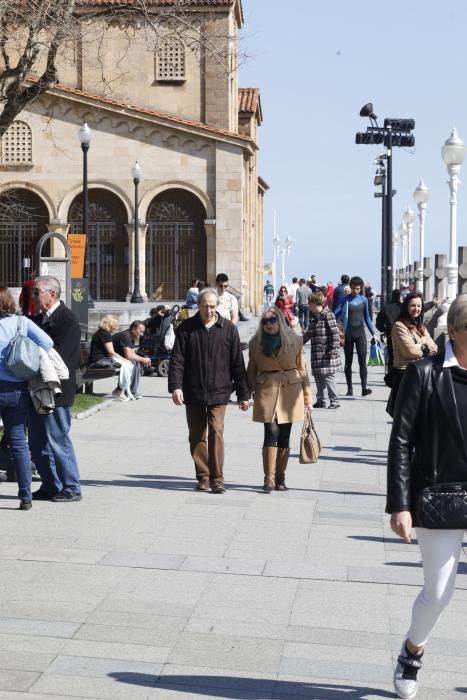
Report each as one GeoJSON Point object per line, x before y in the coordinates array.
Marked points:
{"type": "Point", "coordinates": [249, 102]}
{"type": "Point", "coordinates": [57, 89]}
{"type": "Point", "coordinates": [248, 99]}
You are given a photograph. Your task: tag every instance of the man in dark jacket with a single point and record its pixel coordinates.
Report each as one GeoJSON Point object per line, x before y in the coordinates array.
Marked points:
{"type": "Point", "coordinates": [205, 360]}
{"type": "Point", "coordinates": [340, 294]}
{"type": "Point", "coordinates": [49, 441]}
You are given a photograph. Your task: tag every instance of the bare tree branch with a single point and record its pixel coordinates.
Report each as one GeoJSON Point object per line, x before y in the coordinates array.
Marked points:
{"type": "Point", "coordinates": [34, 32]}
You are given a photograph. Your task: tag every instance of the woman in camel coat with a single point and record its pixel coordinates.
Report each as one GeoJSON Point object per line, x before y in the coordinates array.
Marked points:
{"type": "Point", "coordinates": [278, 377]}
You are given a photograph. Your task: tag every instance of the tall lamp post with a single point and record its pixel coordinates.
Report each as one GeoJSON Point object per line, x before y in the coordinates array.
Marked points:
{"type": "Point", "coordinates": [285, 251]}
{"type": "Point", "coordinates": [136, 298]}
{"type": "Point", "coordinates": [402, 231]}
{"type": "Point", "coordinates": [453, 154]}
{"type": "Point", "coordinates": [395, 246]}
{"type": "Point", "coordinates": [276, 247]}
{"type": "Point", "coordinates": [421, 196]}
{"type": "Point", "coordinates": [84, 136]}
{"type": "Point", "coordinates": [408, 219]}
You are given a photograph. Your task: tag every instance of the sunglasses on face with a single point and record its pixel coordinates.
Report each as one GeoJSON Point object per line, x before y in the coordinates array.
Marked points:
{"type": "Point", "coordinates": [223, 285]}
{"type": "Point", "coordinates": [268, 320]}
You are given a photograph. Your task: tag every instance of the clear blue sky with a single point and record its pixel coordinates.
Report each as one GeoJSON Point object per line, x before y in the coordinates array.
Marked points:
{"type": "Point", "coordinates": [317, 63]}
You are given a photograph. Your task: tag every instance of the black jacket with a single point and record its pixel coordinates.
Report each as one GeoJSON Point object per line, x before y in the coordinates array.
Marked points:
{"type": "Point", "coordinates": [64, 330]}
{"type": "Point", "coordinates": [204, 365]}
{"type": "Point", "coordinates": [427, 444]}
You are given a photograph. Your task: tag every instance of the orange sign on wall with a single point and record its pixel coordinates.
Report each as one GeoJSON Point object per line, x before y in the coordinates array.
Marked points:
{"type": "Point", "coordinates": [77, 243]}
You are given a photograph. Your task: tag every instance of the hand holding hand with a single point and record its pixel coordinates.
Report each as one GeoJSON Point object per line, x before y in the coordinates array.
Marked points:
{"type": "Point", "coordinates": [401, 524]}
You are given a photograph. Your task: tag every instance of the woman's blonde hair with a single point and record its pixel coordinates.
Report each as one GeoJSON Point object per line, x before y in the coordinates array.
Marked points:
{"type": "Point", "coordinates": [7, 302]}
{"type": "Point", "coordinates": [109, 323]}
{"type": "Point", "coordinates": [457, 314]}
{"type": "Point", "coordinates": [287, 336]}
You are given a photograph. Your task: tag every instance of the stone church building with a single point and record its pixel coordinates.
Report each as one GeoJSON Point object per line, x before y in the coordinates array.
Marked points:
{"type": "Point", "coordinates": [169, 105]}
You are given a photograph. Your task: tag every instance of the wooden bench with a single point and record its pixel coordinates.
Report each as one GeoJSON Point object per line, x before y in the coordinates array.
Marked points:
{"type": "Point", "coordinates": [85, 375]}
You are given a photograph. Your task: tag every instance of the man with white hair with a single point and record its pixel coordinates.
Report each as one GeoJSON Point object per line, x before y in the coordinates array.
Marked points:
{"type": "Point", "coordinates": [206, 359]}
{"type": "Point", "coordinates": [49, 440]}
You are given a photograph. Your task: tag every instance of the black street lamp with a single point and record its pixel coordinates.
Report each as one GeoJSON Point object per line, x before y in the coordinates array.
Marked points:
{"type": "Point", "coordinates": [395, 132]}
{"type": "Point", "coordinates": [136, 297]}
{"type": "Point", "coordinates": [85, 140]}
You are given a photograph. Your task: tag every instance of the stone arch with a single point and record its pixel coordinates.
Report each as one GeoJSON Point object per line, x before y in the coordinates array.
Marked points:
{"type": "Point", "coordinates": [65, 204]}
{"type": "Point", "coordinates": [108, 242]}
{"type": "Point", "coordinates": [24, 218]}
{"type": "Point", "coordinates": [181, 185]}
{"type": "Point", "coordinates": [175, 243]}
{"type": "Point", "coordinates": [52, 212]}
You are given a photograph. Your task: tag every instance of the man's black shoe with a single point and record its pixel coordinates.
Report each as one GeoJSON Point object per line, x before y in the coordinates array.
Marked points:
{"type": "Point", "coordinates": [366, 392]}
{"type": "Point", "coordinates": [349, 392]}
{"type": "Point", "coordinates": [66, 497]}
{"type": "Point", "coordinates": [319, 404]}
{"type": "Point", "coordinates": [42, 495]}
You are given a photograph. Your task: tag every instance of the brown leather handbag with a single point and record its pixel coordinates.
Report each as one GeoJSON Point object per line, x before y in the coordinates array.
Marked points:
{"type": "Point", "coordinates": [310, 446]}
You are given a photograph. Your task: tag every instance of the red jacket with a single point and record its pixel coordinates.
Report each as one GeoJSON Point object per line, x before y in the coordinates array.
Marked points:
{"type": "Point", "coordinates": [286, 305]}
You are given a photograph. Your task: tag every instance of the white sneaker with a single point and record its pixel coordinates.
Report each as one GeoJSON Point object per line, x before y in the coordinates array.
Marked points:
{"type": "Point", "coordinates": [405, 675]}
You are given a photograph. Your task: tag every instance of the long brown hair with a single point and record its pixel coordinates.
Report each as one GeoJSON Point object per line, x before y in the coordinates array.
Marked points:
{"type": "Point", "coordinates": [7, 303]}
{"type": "Point", "coordinates": [405, 317]}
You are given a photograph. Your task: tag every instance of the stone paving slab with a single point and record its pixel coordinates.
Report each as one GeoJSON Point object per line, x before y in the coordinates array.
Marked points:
{"type": "Point", "coordinates": [148, 590]}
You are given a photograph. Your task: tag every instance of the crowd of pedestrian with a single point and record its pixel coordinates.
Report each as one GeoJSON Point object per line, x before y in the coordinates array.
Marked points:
{"type": "Point", "coordinates": [427, 457]}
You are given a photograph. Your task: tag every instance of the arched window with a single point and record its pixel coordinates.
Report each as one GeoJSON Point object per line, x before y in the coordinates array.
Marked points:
{"type": "Point", "coordinates": [175, 244]}
{"type": "Point", "coordinates": [16, 144]}
{"type": "Point", "coordinates": [108, 243]}
{"type": "Point", "coordinates": [23, 220]}
{"type": "Point", "coordinates": [170, 60]}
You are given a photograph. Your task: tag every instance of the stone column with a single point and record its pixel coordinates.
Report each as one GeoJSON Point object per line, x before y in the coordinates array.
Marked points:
{"type": "Point", "coordinates": [440, 277]}
{"type": "Point", "coordinates": [210, 228]}
{"type": "Point", "coordinates": [142, 228]}
{"type": "Point", "coordinates": [413, 274]}
{"type": "Point", "coordinates": [428, 287]}
{"type": "Point", "coordinates": [462, 262]}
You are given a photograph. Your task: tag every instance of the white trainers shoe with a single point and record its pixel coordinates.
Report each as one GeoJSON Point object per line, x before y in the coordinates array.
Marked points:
{"type": "Point", "coordinates": [405, 675]}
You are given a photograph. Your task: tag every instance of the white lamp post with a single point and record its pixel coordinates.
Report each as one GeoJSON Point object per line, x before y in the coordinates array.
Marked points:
{"type": "Point", "coordinates": [453, 154]}
{"type": "Point", "coordinates": [395, 245]}
{"type": "Point", "coordinates": [402, 231]}
{"type": "Point", "coordinates": [408, 219]}
{"type": "Point", "coordinates": [421, 197]}
{"type": "Point", "coordinates": [275, 252]}
{"type": "Point", "coordinates": [285, 251]}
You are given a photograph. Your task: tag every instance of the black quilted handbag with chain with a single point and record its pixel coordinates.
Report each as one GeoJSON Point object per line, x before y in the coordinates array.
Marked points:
{"type": "Point", "coordinates": [443, 507]}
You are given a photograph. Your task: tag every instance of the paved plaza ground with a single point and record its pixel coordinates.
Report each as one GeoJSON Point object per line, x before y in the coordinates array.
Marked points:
{"type": "Point", "coordinates": [148, 590]}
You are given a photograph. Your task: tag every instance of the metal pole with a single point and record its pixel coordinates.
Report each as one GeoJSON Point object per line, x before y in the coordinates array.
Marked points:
{"type": "Point", "coordinates": [384, 291]}
{"type": "Point", "coordinates": [421, 216]}
{"type": "Point", "coordinates": [136, 297]}
{"type": "Point", "coordinates": [388, 237]}
{"type": "Point", "coordinates": [85, 149]}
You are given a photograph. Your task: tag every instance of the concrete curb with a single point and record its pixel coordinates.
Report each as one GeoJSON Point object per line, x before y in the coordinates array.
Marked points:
{"type": "Point", "coordinates": [94, 409]}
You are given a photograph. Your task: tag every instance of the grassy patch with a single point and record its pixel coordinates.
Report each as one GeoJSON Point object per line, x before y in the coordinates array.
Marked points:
{"type": "Point", "coordinates": [84, 401]}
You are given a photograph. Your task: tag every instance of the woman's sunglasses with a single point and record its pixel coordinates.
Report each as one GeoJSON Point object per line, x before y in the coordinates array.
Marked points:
{"type": "Point", "coordinates": [268, 320]}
